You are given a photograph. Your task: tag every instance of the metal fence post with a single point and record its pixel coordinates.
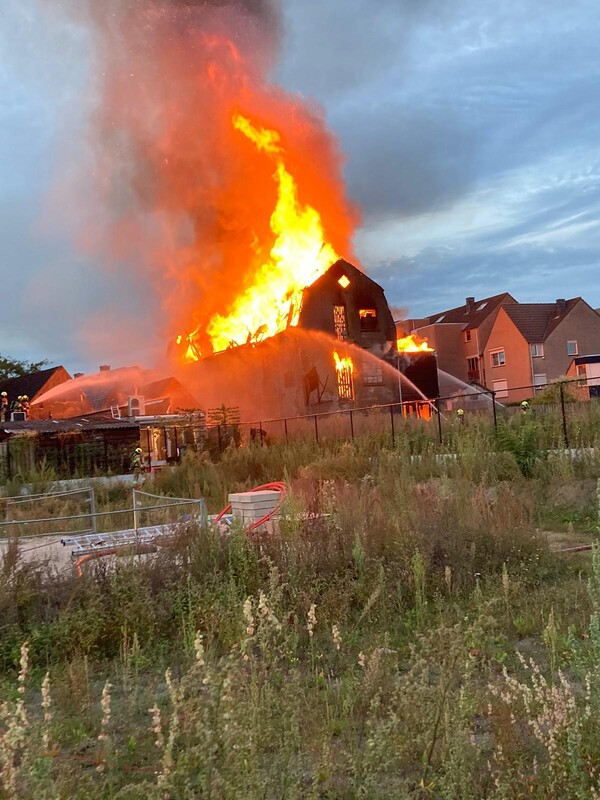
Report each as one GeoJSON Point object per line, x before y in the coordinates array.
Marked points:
{"type": "Point", "coordinates": [286, 429]}
{"type": "Point", "coordinates": [316, 430]}
{"type": "Point", "coordinates": [93, 509]}
{"type": "Point", "coordinates": [564, 415]}
{"type": "Point", "coordinates": [219, 436]}
{"type": "Point", "coordinates": [439, 421]}
{"type": "Point", "coordinates": [392, 422]}
{"type": "Point", "coordinates": [351, 425]}
{"type": "Point", "coordinates": [493, 394]}
{"type": "Point", "coordinates": [135, 513]}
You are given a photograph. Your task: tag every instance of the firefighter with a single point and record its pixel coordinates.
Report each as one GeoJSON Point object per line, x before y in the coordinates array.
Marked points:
{"type": "Point", "coordinates": [17, 404]}
{"type": "Point", "coordinates": [136, 464]}
{"type": "Point", "coordinates": [460, 415]}
{"type": "Point", "coordinates": [4, 409]}
{"type": "Point", "coordinates": [25, 405]}
{"type": "Point", "coordinates": [524, 405]}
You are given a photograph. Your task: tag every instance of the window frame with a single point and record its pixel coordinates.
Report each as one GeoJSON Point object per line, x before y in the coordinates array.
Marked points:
{"type": "Point", "coordinates": [538, 385]}
{"type": "Point", "coordinates": [368, 319]}
{"type": "Point", "coordinates": [468, 336]}
{"type": "Point", "coordinates": [576, 350]}
{"type": "Point", "coordinates": [539, 347]}
{"type": "Point", "coordinates": [497, 351]}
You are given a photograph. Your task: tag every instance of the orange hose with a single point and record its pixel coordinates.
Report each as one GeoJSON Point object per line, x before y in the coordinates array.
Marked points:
{"type": "Point", "coordinates": [277, 486]}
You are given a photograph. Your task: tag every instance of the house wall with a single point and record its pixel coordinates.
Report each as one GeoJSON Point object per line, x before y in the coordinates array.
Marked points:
{"type": "Point", "coordinates": [448, 342]}
{"type": "Point", "coordinates": [517, 370]}
{"type": "Point", "coordinates": [581, 324]}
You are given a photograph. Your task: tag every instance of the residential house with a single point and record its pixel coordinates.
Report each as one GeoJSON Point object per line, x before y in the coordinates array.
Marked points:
{"type": "Point", "coordinates": [459, 336]}
{"type": "Point", "coordinates": [587, 369]}
{"type": "Point", "coordinates": [508, 346]}
{"type": "Point", "coordinates": [531, 344]}
{"type": "Point", "coordinates": [35, 384]}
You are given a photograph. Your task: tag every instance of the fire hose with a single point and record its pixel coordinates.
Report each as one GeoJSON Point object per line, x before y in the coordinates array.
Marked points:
{"type": "Point", "coordinates": [276, 486]}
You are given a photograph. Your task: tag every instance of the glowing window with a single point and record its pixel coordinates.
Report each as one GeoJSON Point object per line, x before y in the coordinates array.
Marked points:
{"type": "Point", "coordinates": [345, 383]}
{"type": "Point", "coordinates": [344, 282]}
{"type": "Point", "coordinates": [339, 322]}
{"type": "Point", "coordinates": [368, 319]}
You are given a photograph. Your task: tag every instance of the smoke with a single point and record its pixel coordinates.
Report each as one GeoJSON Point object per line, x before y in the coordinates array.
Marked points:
{"type": "Point", "coordinates": [174, 197]}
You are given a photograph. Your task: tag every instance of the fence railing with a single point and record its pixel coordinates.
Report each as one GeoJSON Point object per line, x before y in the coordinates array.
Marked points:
{"type": "Point", "coordinates": [564, 406]}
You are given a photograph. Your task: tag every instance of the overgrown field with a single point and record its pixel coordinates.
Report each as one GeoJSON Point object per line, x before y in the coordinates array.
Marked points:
{"type": "Point", "coordinates": [410, 632]}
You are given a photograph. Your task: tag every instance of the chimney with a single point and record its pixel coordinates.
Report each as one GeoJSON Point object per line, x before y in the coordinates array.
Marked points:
{"type": "Point", "coordinates": [104, 367]}
{"type": "Point", "coordinates": [78, 375]}
{"type": "Point", "coordinates": [561, 305]}
{"type": "Point", "coordinates": [470, 304]}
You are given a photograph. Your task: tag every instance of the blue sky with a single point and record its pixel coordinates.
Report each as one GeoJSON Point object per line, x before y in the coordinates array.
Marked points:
{"type": "Point", "coordinates": [471, 132]}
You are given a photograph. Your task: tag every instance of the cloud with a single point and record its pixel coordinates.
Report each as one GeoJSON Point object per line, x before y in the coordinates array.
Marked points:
{"type": "Point", "coordinates": [470, 130]}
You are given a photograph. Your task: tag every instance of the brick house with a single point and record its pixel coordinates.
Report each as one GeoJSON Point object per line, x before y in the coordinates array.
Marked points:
{"type": "Point", "coordinates": [459, 336]}
{"type": "Point", "coordinates": [509, 346]}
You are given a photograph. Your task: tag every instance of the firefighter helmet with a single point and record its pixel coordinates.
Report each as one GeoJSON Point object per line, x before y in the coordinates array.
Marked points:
{"type": "Point", "coordinates": [138, 449]}
{"type": "Point", "coordinates": [4, 394]}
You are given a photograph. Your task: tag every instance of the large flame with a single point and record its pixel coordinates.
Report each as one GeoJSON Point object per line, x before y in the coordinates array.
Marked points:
{"type": "Point", "coordinates": [298, 257]}
{"type": "Point", "coordinates": [344, 363]}
{"type": "Point", "coordinates": [413, 344]}
{"type": "Point", "coordinates": [221, 194]}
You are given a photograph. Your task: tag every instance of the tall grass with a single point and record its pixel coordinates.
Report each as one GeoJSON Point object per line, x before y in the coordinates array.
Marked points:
{"type": "Point", "coordinates": [406, 633]}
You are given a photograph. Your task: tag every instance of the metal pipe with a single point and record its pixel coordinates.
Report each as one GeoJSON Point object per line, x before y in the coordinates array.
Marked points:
{"type": "Point", "coordinates": [98, 514]}
{"type": "Point", "coordinates": [392, 421]}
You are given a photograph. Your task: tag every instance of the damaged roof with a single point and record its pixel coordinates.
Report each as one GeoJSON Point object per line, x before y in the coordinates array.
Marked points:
{"type": "Point", "coordinates": [73, 425]}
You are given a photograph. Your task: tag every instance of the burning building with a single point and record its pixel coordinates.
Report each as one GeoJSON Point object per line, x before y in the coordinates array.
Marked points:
{"type": "Point", "coordinates": [341, 354]}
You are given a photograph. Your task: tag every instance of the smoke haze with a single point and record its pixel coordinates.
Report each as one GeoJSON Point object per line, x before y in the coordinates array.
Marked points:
{"type": "Point", "coordinates": [174, 197]}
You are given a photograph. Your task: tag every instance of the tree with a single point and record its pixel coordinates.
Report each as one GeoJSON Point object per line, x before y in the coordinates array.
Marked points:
{"type": "Point", "coordinates": [12, 368]}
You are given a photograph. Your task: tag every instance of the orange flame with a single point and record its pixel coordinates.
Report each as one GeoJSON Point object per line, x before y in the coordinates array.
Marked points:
{"type": "Point", "coordinates": [413, 344]}
{"type": "Point", "coordinates": [344, 363]}
{"type": "Point", "coordinates": [297, 258]}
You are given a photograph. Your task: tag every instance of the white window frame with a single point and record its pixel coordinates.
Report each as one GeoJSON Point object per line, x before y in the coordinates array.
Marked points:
{"type": "Point", "coordinates": [500, 391]}
{"type": "Point", "coordinates": [538, 383]}
{"type": "Point", "coordinates": [495, 352]}
{"type": "Point", "coordinates": [576, 348]}
{"type": "Point", "coordinates": [537, 349]}
{"type": "Point", "coordinates": [468, 335]}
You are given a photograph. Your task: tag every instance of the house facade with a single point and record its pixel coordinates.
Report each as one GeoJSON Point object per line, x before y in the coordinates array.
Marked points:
{"type": "Point", "coordinates": [509, 347]}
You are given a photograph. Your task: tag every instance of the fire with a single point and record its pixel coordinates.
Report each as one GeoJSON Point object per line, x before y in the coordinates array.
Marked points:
{"type": "Point", "coordinates": [224, 193]}
{"type": "Point", "coordinates": [413, 344]}
{"type": "Point", "coordinates": [344, 363]}
{"type": "Point", "coordinates": [344, 368]}
{"type": "Point", "coordinates": [297, 258]}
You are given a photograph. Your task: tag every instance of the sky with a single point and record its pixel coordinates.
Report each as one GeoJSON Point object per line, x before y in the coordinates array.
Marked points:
{"type": "Point", "coordinates": [471, 136]}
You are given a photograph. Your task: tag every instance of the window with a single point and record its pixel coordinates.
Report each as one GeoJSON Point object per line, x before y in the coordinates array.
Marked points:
{"type": "Point", "coordinates": [539, 381]}
{"type": "Point", "coordinates": [481, 306]}
{"type": "Point", "coordinates": [344, 282]}
{"type": "Point", "coordinates": [372, 373]}
{"type": "Point", "coordinates": [500, 388]}
{"type": "Point", "coordinates": [468, 335]}
{"type": "Point", "coordinates": [572, 348]}
{"type": "Point", "coordinates": [441, 318]}
{"type": "Point", "coordinates": [339, 322]}
{"type": "Point", "coordinates": [368, 319]}
{"type": "Point", "coordinates": [345, 382]}
{"type": "Point", "coordinates": [537, 350]}
{"type": "Point", "coordinates": [498, 358]}
{"type": "Point", "coordinates": [582, 373]}
{"type": "Point", "coordinates": [473, 369]}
